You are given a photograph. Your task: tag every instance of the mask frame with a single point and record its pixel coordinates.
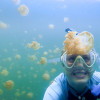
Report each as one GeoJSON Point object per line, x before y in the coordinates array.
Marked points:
{"type": "Point", "coordinates": [64, 62]}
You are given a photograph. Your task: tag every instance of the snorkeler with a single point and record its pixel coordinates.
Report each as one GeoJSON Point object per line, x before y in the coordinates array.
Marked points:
{"type": "Point", "coordinates": [79, 81]}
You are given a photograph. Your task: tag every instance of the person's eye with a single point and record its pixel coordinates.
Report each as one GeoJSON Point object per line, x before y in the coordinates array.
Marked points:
{"type": "Point", "coordinates": [71, 59]}
{"type": "Point", "coordinates": [86, 58]}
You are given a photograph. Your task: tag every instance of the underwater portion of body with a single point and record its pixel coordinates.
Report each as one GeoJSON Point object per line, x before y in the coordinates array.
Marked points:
{"type": "Point", "coordinates": [80, 80]}
{"type": "Point", "coordinates": [61, 90]}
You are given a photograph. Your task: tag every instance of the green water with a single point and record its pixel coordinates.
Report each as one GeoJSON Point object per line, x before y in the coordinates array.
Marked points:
{"type": "Point", "coordinates": [17, 31]}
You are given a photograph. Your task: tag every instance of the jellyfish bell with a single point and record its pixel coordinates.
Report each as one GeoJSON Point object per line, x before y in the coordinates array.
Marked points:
{"type": "Point", "coordinates": [1, 91]}
{"type": "Point", "coordinates": [9, 84]}
{"type": "Point", "coordinates": [46, 76]}
{"type": "Point", "coordinates": [35, 45]}
{"type": "Point", "coordinates": [30, 95]}
{"type": "Point", "coordinates": [79, 44]}
{"type": "Point", "coordinates": [4, 72]}
{"type": "Point", "coordinates": [43, 60]}
{"type": "Point", "coordinates": [23, 10]}
{"type": "Point", "coordinates": [17, 56]}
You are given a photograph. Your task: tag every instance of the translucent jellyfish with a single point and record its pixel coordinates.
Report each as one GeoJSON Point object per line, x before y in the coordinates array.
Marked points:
{"type": "Point", "coordinates": [17, 89]}
{"type": "Point", "coordinates": [79, 44]}
{"type": "Point", "coordinates": [23, 10]}
{"type": "Point", "coordinates": [4, 72]}
{"type": "Point", "coordinates": [46, 76]}
{"type": "Point", "coordinates": [35, 75]}
{"type": "Point", "coordinates": [17, 94]}
{"type": "Point", "coordinates": [25, 32]}
{"type": "Point", "coordinates": [29, 45]}
{"type": "Point", "coordinates": [40, 36]}
{"type": "Point", "coordinates": [35, 45]}
{"type": "Point", "coordinates": [9, 84]}
{"type": "Point", "coordinates": [33, 57]}
{"type": "Point", "coordinates": [66, 19]}
{"type": "Point", "coordinates": [9, 59]}
{"type": "Point", "coordinates": [57, 50]}
{"type": "Point", "coordinates": [53, 70]}
{"type": "Point", "coordinates": [43, 60]}
{"type": "Point", "coordinates": [18, 72]}
{"type": "Point", "coordinates": [51, 26]}
{"type": "Point", "coordinates": [17, 56]}
{"type": "Point", "coordinates": [3, 25]}
{"type": "Point", "coordinates": [45, 53]}
{"type": "Point", "coordinates": [54, 63]}
{"type": "Point", "coordinates": [19, 76]}
{"type": "Point", "coordinates": [16, 2]}
{"type": "Point", "coordinates": [30, 95]}
{"type": "Point", "coordinates": [23, 92]}
{"type": "Point", "coordinates": [1, 91]}
{"type": "Point", "coordinates": [31, 68]}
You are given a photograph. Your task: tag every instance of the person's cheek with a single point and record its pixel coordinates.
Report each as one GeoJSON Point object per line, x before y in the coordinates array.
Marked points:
{"type": "Point", "coordinates": [69, 64]}
{"type": "Point", "coordinates": [88, 63]}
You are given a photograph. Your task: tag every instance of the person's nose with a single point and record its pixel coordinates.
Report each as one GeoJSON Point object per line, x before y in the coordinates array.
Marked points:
{"type": "Point", "coordinates": [79, 62]}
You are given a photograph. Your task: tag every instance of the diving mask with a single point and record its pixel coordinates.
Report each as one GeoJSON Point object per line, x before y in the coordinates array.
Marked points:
{"type": "Point", "coordinates": [69, 61]}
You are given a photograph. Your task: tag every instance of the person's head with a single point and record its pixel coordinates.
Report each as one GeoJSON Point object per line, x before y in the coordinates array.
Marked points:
{"type": "Point", "coordinates": [78, 61]}
{"type": "Point", "coordinates": [78, 68]}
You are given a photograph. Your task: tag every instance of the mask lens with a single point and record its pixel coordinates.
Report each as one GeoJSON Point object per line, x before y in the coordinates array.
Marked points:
{"type": "Point", "coordinates": [69, 60]}
{"type": "Point", "coordinates": [87, 59]}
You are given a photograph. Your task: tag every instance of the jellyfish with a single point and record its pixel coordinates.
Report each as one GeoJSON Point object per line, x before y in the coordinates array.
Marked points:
{"type": "Point", "coordinates": [30, 95]}
{"type": "Point", "coordinates": [51, 26]}
{"type": "Point", "coordinates": [16, 2]}
{"type": "Point", "coordinates": [66, 19]}
{"type": "Point", "coordinates": [23, 92]}
{"type": "Point", "coordinates": [46, 76]}
{"type": "Point", "coordinates": [3, 25]}
{"type": "Point", "coordinates": [23, 10]}
{"type": "Point", "coordinates": [9, 84]}
{"type": "Point", "coordinates": [35, 45]}
{"type": "Point", "coordinates": [53, 70]}
{"type": "Point", "coordinates": [17, 56]}
{"type": "Point", "coordinates": [54, 63]}
{"type": "Point", "coordinates": [45, 53]}
{"type": "Point", "coordinates": [78, 44]}
{"type": "Point", "coordinates": [43, 60]}
{"type": "Point", "coordinates": [17, 94]}
{"type": "Point", "coordinates": [33, 57]}
{"type": "Point", "coordinates": [57, 50]}
{"type": "Point", "coordinates": [4, 72]}
{"type": "Point", "coordinates": [1, 91]}
{"type": "Point", "coordinates": [35, 75]}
